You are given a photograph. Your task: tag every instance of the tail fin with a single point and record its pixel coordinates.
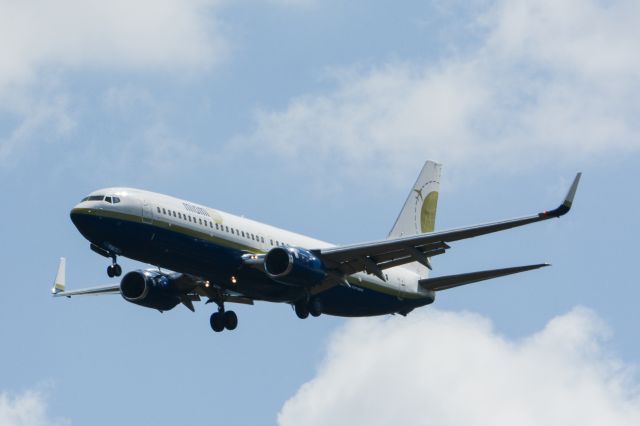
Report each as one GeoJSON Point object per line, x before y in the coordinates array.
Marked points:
{"type": "Point", "coordinates": [419, 212]}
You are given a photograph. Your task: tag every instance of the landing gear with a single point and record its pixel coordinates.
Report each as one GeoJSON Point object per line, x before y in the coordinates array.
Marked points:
{"type": "Point", "coordinates": [222, 319]}
{"type": "Point", "coordinates": [230, 320]}
{"type": "Point", "coordinates": [315, 307]}
{"type": "Point", "coordinates": [217, 322]}
{"type": "Point", "coordinates": [303, 308]}
{"type": "Point", "coordinates": [114, 270]}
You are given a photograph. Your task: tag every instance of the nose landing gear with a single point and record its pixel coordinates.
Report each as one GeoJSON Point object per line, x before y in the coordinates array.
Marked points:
{"type": "Point", "coordinates": [114, 270]}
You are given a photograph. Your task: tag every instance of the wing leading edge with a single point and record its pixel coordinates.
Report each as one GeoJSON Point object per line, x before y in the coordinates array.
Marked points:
{"type": "Point", "coordinates": [373, 257]}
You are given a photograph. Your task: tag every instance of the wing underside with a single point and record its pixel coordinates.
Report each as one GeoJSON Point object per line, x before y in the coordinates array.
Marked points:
{"type": "Point", "coordinates": [374, 257]}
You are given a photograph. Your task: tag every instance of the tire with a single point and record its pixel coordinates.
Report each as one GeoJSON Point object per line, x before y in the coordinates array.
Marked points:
{"type": "Point", "coordinates": [110, 271]}
{"type": "Point", "coordinates": [217, 322]}
{"type": "Point", "coordinates": [230, 320]}
{"type": "Point", "coordinates": [301, 310]}
{"type": "Point", "coordinates": [315, 308]}
{"type": "Point", "coordinates": [117, 270]}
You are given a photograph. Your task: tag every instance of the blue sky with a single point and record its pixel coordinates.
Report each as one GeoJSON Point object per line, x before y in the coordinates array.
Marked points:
{"type": "Point", "coordinates": [316, 116]}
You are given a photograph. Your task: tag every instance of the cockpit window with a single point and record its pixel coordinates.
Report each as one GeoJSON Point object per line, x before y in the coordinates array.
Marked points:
{"type": "Point", "coordinates": [107, 199]}
{"type": "Point", "coordinates": [116, 200]}
{"type": "Point", "coordinates": [93, 198]}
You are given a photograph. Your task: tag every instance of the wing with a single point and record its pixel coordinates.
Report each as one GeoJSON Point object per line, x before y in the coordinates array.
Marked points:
{"type": "Point", "coordinates": [59, 288]}
{"type": "Point", "coordinates": [374, 257]}
{"type": "Point", "coordinates": [192, 287]}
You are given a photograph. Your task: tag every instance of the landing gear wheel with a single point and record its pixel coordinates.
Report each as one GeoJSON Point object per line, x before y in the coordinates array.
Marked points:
{"type": "Point", "coordinates": [230, 320]}
{"type": "Point", "coordinates": [302, 311]}
{"type": "Point", "coordinates": [217, 322]}
{"type": "Point", "coordinates": [315, 307]}
{"type": "Point", "coordinates": [117, 270]}
{"type": "Point", "coordinates": [111, 271]}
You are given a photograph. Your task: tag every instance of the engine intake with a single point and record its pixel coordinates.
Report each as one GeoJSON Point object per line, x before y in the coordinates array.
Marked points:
{"type": "Point", "coordinates": [150, 289]}
{"type": "Point", "coordinates": [294, 266]}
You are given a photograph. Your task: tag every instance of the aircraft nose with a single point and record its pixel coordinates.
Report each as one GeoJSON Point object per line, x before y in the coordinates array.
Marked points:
{"type": "Point", "coordinates": [74, 214]}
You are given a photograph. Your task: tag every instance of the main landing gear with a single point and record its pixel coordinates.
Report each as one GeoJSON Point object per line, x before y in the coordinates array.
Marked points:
{"type": "Point", "coordinates": [305, 307]}
{"type": "Point", "coordinates": [223, 319]}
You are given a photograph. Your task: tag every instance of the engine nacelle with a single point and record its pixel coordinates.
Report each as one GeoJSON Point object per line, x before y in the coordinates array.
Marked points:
{"type": "Point", "coordinates": [294, 266]}
{"type": "Point", "coordinates": [151, 289]}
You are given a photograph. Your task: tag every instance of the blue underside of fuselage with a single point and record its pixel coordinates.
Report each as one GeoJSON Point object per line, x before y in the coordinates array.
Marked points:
{"type": "Point", "coordinates": [179, 252]}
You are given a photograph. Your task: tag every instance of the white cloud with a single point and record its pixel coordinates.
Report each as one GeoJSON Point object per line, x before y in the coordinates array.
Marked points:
{"type": "Point", "coordinates": [40, 41]}
{"type": "Point", "coordinates": [115, 35]}
{"type": "Point", "coordinates": [25, 409]}
{"type": "Point", "coordinates": [549, 80]}
{"type": "Point", "coordinates": [294, 3]}
{"type": "Point", "coordinates": [444, 368]}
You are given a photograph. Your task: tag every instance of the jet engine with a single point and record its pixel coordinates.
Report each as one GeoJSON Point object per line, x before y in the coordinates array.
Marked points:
{"type": "Point", "coordinates": [151, 289]}
{"type": "Point", "coordinates": [294, 266]}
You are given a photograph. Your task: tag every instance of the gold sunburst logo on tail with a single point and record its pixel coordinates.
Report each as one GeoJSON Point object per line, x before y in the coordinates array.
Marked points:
{"type": "Point", "coordinates": [428, 212]}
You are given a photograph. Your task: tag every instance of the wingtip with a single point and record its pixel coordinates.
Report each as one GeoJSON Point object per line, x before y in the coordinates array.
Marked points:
{"type": "Point", "coordinates": [59, 283]}
{"type": "Point", "coordinates": [572, 190]}
{"type": "Point", "coordinates": [568, 200]}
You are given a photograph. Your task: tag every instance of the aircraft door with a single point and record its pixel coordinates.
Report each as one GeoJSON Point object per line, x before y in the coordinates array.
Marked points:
{"type": "Point", "coordinates": [147, 212]}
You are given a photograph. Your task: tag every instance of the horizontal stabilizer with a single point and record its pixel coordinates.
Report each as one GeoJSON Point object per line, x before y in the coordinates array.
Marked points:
{"type": "Point", "coordinates": [450, 281]}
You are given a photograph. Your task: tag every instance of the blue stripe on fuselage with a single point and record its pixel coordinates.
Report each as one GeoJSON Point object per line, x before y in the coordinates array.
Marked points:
{"type": "Point", "coordinates": [177, 251]}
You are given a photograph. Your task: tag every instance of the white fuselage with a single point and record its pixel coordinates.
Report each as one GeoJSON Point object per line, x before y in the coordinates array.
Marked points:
{"type": "Point", "coordinates": [231, 231]}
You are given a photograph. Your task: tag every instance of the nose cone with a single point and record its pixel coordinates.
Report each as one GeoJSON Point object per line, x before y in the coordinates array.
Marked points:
{"type": "Point", "coordinates": [82, 218]}
{"type": "Point", "coordinates": [75, 213]}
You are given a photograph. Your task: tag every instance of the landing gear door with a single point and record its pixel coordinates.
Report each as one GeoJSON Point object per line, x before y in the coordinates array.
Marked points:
{"type": "Point", "coordinates": [147, 212]}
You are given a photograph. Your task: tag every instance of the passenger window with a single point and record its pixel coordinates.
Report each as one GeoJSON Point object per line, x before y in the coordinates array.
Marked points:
{"type": "Point", "coordinates": [227, 228]}
{"type": "Point", "coordinates": [210, 224]}
{"type": "Point", "coordinates": [216, 226]}
{"type": "Point", "coordinates": [164, 211]}
{"type": "Point", "coordinates": [232, 231]}
{"type": "Point", "coordinates": [159, 211]}
{"type": "Point", "coordinates": [262, 238]}
{"type": "Point", "coordinates": [174, 213]}
{"type": "Point", "coordinates": [189, 218]}
{"type": "Point", "coordinates": [243, 233]}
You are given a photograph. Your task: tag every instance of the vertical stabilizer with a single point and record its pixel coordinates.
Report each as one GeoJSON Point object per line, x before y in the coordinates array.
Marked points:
{"type": "Point", "coordinates": [419, 212]}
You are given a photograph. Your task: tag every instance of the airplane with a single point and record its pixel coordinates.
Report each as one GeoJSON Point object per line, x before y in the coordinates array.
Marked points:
{"type": "Point", "coordinates": [200, 252]}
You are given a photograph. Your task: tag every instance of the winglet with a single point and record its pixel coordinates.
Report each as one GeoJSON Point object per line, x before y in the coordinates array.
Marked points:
{"type": "Point", "coordinates": [568, 200]}
{"type": "Point", "coordinates": [58, 285]}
